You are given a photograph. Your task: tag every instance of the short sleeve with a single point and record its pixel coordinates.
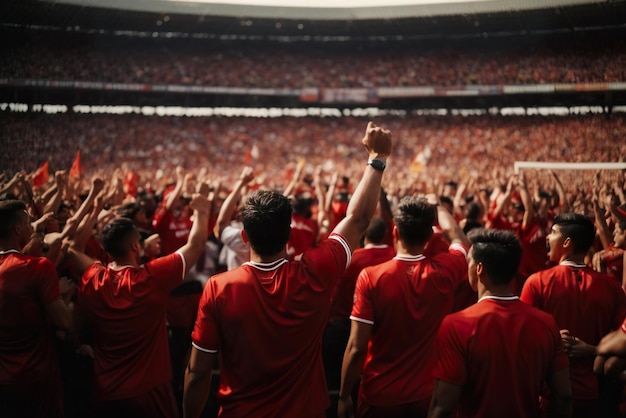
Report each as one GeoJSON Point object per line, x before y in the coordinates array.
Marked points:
{"type": "Point", "coordinates": [529, 292]}
{"type": "Point", "coordinates": [47, 281]}
{"type": "Point", "coordinates": [450, 365]}
{"type": "Point", "coordinates": [168, 271]}
{"type": "Point", "coordinates": [362, 307]}
{"type": "Point", "coordinates": [327, 262]}
{"type": "Point", "coordinates": [205, 336]}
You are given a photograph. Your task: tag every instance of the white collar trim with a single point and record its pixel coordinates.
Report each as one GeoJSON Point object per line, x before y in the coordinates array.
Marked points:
{"type": "Point", "coordinates": [267, 266]}
{"type": "Point", "coordinates": [503, 298]}
{"type": "Point", "coordinates": [9, 252]}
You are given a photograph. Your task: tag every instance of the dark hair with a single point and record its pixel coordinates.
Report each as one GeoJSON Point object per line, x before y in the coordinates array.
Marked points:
{"type": "Point", "coordinates": [266, 218]}
{"type": "Point", "coordinates": [376, 230]}
{"type": "Point", "coordinates": [577, 228]}
{"type": "Point", "coordinates": [414, 219]}
{"type": "Point", "coordinates": [474, 211]}
{"type": "Point", "coordinates": [11, 211]}
{"type": "Point", "coordinates": [499, 251]}
{"type": "Point", "coordinates": [130, 210]}
{"type": "Point", "coordinates": [117, 235]}
{"type": "Point", "coordinates": [302, 205]}
{"type": "Point", "coordinates": [622, 225]}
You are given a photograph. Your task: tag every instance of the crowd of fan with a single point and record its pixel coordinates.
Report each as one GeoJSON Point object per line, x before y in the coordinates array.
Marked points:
{"type": "Point", "coordinates": [429, 149]}
{"type": "Point", "coordinates": [290, 155]}
{"type": "Point", "coordinates": [529, 59]}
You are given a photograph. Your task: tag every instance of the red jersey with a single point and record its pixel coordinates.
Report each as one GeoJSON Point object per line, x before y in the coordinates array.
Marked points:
{"type": "Point", "coordinates": [344, 295]}
{"type": "Point", "coordinates": [303, 235]}
{"type": "Point", "coordinates": [125, 307]}
{"type": "Point", "coordinates": [27, 351]}
{"type": "Point", "coordinates": [483, 346]}
{"type": "Point", "coordinates": [586, 303]}
{"type": "Point", "coordinates": [534, 253]}
{"type": "Point", "coordinates": [267, 320]}
{"type": "Point", "coordinates": [405, 299]}
{"type": "Point", "coordinates": [174, 231]}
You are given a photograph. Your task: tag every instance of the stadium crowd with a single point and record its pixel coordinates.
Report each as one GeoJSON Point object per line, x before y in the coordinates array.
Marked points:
{"type": "Point", "coordinates": [159, 194]}
{"type": "Point", "coordinates": [529, 59]}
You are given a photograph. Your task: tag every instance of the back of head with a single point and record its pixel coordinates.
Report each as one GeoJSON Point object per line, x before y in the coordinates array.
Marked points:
{"type": "Point", "coordinates": [266, 218]}
{"type": "Point", "coordinates": [499, 251]}
{"type": "Point", "coordinates": [578, 228]}
{"type": "Point", "coordinates": [117, 236]}
{"type": "Point", "coordinates": [375, 232]}
{"type": "Point", "coordinates": [11, 212]}
{"type": "Point", "coordinates": [414, 220]}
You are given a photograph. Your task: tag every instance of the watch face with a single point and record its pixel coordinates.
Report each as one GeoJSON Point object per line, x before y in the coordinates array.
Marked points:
{"type": "Point", "coordinates": [377, 164]}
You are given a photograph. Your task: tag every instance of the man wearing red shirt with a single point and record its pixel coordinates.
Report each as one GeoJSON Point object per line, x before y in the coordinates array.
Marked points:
{"type": "Point", "coordinates": [125, 303]}
{"type": "Point", "coordinates": [30, 383]}
{"type": "Point", "coordinates": [585, 304]}
{"type": "Point", "coordinates": [398, 306]}
{"type": "Point", "coordinates": [494, 356]}
{"type": "Point", "coordinates": [338, 329]}
{"type": "Point", "coordinates": [266, 318]}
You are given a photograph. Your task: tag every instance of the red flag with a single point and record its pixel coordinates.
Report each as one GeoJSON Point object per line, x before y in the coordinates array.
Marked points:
{"type": "Point", "coordinates": [41, 175]}
{"type": "Point", "coordinates": [130, 183]}
{"type": "Point", "coordinates": [76, 170]}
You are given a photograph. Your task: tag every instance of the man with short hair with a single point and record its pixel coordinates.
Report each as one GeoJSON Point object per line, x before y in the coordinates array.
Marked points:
{"type": "Point", "coordinates": [125, 305]}
{"type": "Point", "coordinates": [585, 304]}
{"type": "Point", "coordinates": [398, 306]}
{"type": "Point", "coordinates": [30, 298]}
{"type": "Point", "coordinates": [266, 318]}
{"type": "Point", "coordinates": [494, 356]}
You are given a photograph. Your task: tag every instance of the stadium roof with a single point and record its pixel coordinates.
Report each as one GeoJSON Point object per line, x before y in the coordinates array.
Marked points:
{"type": "Point", "coordinates": [330, 9]}
{"type": "Point", "coordinates": [421, 18]}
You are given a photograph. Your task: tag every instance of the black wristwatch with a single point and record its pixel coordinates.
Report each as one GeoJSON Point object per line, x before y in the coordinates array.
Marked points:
{"type": "Point", "coordinates": [377, 164]}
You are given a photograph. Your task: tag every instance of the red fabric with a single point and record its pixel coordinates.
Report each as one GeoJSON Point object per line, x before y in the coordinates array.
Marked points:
{"type": "Point", "coordinates": [405, 299]}
{"type": "Point", "coordinates": [585, 302]}
{"type": "Point", "coordinates": [76, 170]}
{"type": "Point", "coordinates": [174, 231]}
{"type": "Point", "coordinates": [303, 235]}
{"type": "Point", "coordinates": [267, 321]}
{"type": "Point", "coordinates": [130, 183]}
{"type": "Point", "coordinates": [41, 175]}
{"type": "Point", "coordinates": [613, 259]}
{"type": "Point", "coordinates": [344, 295]}
{"type": "Point", "coordinates": [125, 308]}
{"type": "Point", "coordinates": [499, 350]}
{"type": "Point", "coordinates": [27, 352]}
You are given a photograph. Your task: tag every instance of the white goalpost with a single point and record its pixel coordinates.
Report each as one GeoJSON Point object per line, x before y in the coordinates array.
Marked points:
{"type": "Point", "coordinates": [567, 166]}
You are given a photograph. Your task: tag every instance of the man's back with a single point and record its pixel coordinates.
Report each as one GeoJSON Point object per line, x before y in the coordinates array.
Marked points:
{"type": "Point", "coordinates": [125, 307]}
{"type": "Point", "coordinates": [267, 320]}
{"type": "Point", "coordinates": [405, 300]}
{"type": "Point", "coordinates": [501, 351]}
{"type": "Point", "coordinates": [27, 351]}
{"type": "Point", "coordinates": [586, 303]}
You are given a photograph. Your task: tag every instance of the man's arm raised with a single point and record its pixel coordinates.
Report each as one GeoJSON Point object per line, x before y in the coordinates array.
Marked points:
{"type": "Point", "coordinates": [377, 142]}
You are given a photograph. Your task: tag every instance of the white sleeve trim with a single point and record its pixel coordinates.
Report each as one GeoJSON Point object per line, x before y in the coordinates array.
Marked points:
{"type": "Point", "coordinates": [345, 245]}
{"type": "Point", "coordinates": [203, 349]}
{"type": "Point", "coordinates": [184, 264]}
{"type": "Point", "coordinates": [459, 247]}
{"type": "Point", "coordinates": [365, 321]}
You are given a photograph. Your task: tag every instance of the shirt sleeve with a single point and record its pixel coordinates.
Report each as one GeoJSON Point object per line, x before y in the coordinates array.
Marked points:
{"type": "Point", "coordinates": [450, 364]}
{"type": "Point", "coordinates": [205, 336]}
{"type": "Point", "coordinates": [47, 281]}
{"type": "Point", "coordinates": [529, 292]}
{"type": "Point", "coordinates": [327, 262]}
{"type": "Point", "coordinates": [362, 308]}
{"type": "Point", "coordinates": [168, 271]}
